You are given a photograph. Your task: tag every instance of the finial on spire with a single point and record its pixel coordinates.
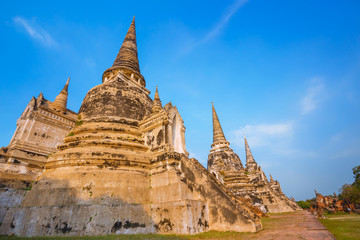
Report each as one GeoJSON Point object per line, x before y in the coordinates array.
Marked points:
{"type": "Point", "coordinates": [157, 102]}
{"type": "Point", "coordinates": [218, 134]}
{"type": "Point", "coordinates": [66, 85]}
{"type": "Point", "coordinates": [127, 58]}
{"type": "Point", "coordinates": [60, 101]}
{"type": "Point", "coordinates": [156, 97]}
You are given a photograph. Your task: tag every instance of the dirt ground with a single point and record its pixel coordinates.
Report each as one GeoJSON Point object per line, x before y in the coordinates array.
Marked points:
{"type": "Point", "coordinates": [298, 225]}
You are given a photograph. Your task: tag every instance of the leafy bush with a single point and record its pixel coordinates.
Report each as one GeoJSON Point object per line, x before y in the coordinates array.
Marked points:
{"type": "Point", "coordinates": [356, 172]}
{"type": "Point", "coordinates": [304, 204]}
{"type": "Point", "coordinates": [350, 193]}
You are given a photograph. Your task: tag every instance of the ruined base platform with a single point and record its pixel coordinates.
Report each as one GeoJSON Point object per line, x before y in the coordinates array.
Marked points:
{"type": "Point", "coordinates": [176, 195]}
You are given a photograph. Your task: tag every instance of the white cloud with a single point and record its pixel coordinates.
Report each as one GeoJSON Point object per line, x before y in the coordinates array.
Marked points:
{"type": "Point", "coordinates": [279, 136]}
{"type": "Point", "coordinates": [312, 98]}
{"type": "Point", "coordinates": [274, 129]}
{"type": "Point", "coordinates": [35, 31]}
{"type": "Point", "coordinates": [262, 134]}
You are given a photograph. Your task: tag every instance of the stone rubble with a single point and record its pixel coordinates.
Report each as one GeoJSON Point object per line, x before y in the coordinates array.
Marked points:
{"type": "Point", "coordinates": [330, 204]}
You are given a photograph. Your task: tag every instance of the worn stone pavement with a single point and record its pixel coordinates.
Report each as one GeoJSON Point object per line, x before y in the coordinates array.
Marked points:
{"type": "Point", "coordinates": [297, 225]}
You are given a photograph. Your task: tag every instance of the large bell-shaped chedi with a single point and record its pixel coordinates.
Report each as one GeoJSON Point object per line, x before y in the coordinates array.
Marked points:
{"type": "Point", "coordinates": [109, 117]}
{"type": "Point", "coordinates": [98, 182]}
{"type": "Point", "coordinates": [124, 169]}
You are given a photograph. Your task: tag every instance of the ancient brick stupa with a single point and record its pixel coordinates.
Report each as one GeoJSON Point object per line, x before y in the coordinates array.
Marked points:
{"type": "Point", "coordinates": [123, 168]}
{"type": "Point", "coordinates": [246, 183]}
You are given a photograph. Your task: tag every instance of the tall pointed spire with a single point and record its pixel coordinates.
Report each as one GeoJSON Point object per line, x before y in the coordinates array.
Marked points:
{"type": "Point", "coordinates": [60, 101]}
{"type": "Point", "coordinates": [218, 134]}
{"type": "Point", "coordinates": [157, 102]}
{"type": "Point", "coordinates": [249, 156]}
{"type": "Point", "coordinates": [127, 58]}
{"type": "Point", "coordinates": [128, 55]}
{"type": "Point", "coordinates": [156, 96]}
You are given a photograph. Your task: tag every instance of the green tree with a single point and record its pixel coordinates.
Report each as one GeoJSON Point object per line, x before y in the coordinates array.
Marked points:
{"type": "Point", "coordinates": [356, 172]}
{"type": "Point", "coordinates": [303, 204]}
{"type": "Point", "coordinates": [350, 193]}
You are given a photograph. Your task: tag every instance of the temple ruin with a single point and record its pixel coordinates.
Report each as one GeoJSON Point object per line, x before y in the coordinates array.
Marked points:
{"type": "Point", "coordinates": [120, 166]}
{"type": "Point", "coordinates": [330, 204]}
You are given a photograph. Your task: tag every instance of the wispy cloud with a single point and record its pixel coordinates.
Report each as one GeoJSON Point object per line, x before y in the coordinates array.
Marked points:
{"type": "Point", "coordinates": [218, 27]}
{"type": "Point", "coordinates": [313, 97]}
{"type": "Point", "coordinates": [35, 31]}
{"type": "Point", "coordinates": [262, 134]}
{"type": "Point", "coordinates": [216, 30]}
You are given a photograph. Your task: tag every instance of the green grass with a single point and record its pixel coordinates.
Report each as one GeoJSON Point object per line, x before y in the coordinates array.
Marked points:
{"type": "Point", "coordinates": [217, 235]}
{"type": "Point", "coordinates": [343, 226]}
{"type": "Point", "coordinates": [206, 235]}
{"type": "Point", "coordinates": [109, 237]}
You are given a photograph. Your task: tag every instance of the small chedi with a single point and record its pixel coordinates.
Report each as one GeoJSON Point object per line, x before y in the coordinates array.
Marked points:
{"type": "Point", "coordinates": [41, 127]}
{"type": "Point", "coordinates": [120, 166]}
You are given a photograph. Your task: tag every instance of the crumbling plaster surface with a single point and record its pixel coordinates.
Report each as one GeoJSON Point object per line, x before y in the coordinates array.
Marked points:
{"type": "Point", "coordinates": [178, 198]}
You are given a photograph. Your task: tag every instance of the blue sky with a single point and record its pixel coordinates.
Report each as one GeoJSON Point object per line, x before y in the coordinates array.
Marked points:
{"type": "Point", "coordinates": [284, 73]}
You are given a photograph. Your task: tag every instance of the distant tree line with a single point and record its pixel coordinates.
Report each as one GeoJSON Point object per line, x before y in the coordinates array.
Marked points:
{"type": "Point", "coordinates": [307, 204]}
